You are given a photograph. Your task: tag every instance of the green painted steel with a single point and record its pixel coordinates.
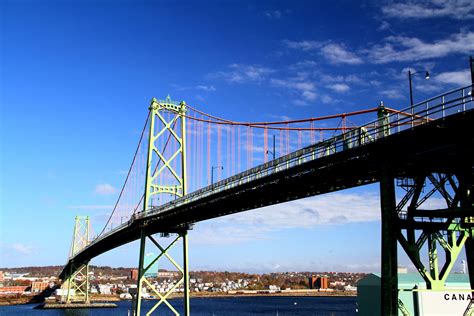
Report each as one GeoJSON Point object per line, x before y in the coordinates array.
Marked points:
{"type": "Point", "coordinates": [434, 278]}
{"type": "Point", "coordinates": [402, 308]}
{"type": "Point", "coordinates": [144, 268]}
{"type": "Point", "coordinates": [141, 273]}
{"type": "Point", "coordinates": [76, 283]}
{"type": "Point", "coordinates": [186, 273]}
{"type": "Point", "coordinates": [168, 128]}
{"type": "Point", "coordinates": [421, 234]}
{"type": "Point", "coordinates": [179, 189]}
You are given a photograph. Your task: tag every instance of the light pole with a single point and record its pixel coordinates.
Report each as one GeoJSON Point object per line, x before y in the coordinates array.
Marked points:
{"type": "Point", "coordinates": [471, 63]}
{"type": "Point", "coordinates": [272, 152]}
{"type": "Point", "coordinates": [212, 172]}
{"type": "Point", "coordinates": [410, 74]}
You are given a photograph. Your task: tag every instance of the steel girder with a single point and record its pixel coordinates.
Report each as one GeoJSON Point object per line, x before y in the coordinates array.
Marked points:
{"type": "Point", "coordinates": [447, 229]}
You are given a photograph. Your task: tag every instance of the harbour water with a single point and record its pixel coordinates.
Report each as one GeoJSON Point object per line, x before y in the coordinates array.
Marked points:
{"type": "Point", "coordinates": [218, 306]}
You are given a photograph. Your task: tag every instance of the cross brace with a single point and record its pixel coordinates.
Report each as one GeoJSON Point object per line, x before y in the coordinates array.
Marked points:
{"type": "Point", "coordinates": [77, 284]}
{"type": "Point", "coordinates": [448, 229]}
{"type": "Point", "coordinates": [143, 283]}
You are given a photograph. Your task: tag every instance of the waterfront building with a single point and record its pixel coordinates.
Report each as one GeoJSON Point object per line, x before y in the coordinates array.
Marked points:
{"type": "Point", "coordinates": [134, 274]}
{"type": "Point", "coordinates": [414, 296]}
{"type": "Point", "coordinates": [318, 282]}
{"type": "Point", "coordinates": [13, 289]}
{"type": "Point", "coordinates": [39, 286]}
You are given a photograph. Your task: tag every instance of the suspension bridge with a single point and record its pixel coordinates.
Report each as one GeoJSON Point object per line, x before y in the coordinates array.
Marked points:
{"type": "Point", "coordinates": [191, 166]}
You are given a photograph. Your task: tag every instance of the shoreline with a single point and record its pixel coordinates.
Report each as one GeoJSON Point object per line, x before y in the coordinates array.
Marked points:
{"type": "Point", "coordinates": [299, 293]}
{"type": "Point", "coordinates": [10, 301]}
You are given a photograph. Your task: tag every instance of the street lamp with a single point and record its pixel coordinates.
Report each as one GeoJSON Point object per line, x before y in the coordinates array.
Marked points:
{"type": "Point", "coordinates": [410, 74]}
{"type": "Point", "coordinates": [212, 172]}
{"type": "Point", "coordinates": [272, 152]}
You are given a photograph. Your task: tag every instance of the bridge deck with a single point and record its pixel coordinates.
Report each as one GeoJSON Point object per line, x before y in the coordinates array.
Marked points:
{"type": "Point", "coordinates": [444, 145]}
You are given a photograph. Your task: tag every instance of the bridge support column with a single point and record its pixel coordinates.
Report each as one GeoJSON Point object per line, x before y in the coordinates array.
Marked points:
{"type": "Point", "coordinates": [184, 236]}
{"type": "Point", "coordinates": [389, 286]}
{"type": "Point", "coordinates": [447, 229]}
{"type": "Point", "coordinates": [466, 192]}
{"type": "Point", "coordinates": [144, 267]}
{"type": "Point", "coordinates": [467, 200]}
{"type": "Point", "coordinates": [75, 287]}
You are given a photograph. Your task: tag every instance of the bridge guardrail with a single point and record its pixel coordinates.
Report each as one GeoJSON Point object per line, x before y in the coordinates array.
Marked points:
{"type": "Point", "coordinates": [389, 122]}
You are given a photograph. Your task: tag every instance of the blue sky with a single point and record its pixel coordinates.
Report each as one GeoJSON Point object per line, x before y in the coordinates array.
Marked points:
{"type": "Point", "coordinates": [77, 77]}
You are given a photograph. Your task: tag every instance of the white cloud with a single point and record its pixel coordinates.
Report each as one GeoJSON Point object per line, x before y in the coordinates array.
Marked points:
{"type": "Point", "coordinates": [239, 73]}
{"type": "Point", "coordinates": [460, 78]}
{"type": "Point", "coordinates": [393, 94]}
{"type": "Point", "coordinates": [206, 88]}
{"type": "Point", "coordinates": [335, 53]}
{"type": "Point", "coordinates": [198, 87]}
{"type": "Point", "coordinates": [392, 48]}
{"type": "Point", "coordinates": [305, 89]}
{"type": "Point", "coordinates": [276, 14]}
{"type": "Point", "coordinates": [329, 80]}
{"type": "Point", "coordinates": [309, 95]}
{"type": "Point", "coordinates": [338, 54]}
{"type": "Point", "coordinates": [326, 99]}
{"type": "Point", "coordinates": [104, 189]}
{"type": "Point", "coordinates": [400, 48]}
{"type": "Point", "coordinates": [22, 249]}
{"type": "Point", "coordinates": [303, 45]}
{"type": "Point", "coordinates": [333, 209]}
{"type": "Point", "coordinates": [339, 87]}
{"type": "Point", "coordinates": [218, 233]}
{"type": "Point", "coordinates": [329, 210]}
{"type": "Point", "coordinates": [280, 117]}
{"type": "Point", "coordinates": [457, 9]}
{"type": "Point", "coordinates": [384, 25]}
{"type": "Point", "coordinates": [305, 64]}
{"type": "Point", "coordinates": [354, 79]}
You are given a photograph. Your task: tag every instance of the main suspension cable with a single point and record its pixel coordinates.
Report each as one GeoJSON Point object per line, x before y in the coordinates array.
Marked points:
{"type": "Point", "coordinates": [128, 175]}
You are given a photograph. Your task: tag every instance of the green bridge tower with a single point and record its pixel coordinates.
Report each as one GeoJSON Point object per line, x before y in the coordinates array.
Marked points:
{"type": "Point", "coordinates": [167, 128]}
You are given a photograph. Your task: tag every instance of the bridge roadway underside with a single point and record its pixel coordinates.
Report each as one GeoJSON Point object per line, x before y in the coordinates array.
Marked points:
{"type": "Point", "coordinates": [442, 146]}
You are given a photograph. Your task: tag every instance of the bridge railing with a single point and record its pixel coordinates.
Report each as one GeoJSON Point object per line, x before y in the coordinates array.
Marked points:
{"type": "Point", "coordinates": [389, 122]}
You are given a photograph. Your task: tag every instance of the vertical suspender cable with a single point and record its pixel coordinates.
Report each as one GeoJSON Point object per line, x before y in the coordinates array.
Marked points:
{"type": "Point", "coordinates": [232, 153]}
{"type": "Point", "coordinates": [265, 145]}
{"type": "Point", "coordinates": [281, 143]}
{"type": "Point", "coordinates": [300, 139]}
{"type": "Point", "coordinates": [239, 150]}
{"type": "Point", "coordinates": [219, 152]}
{"type": "Point", "coordinates": [227, 172]}
{"type": "Point", "coordinates": [209, 153]}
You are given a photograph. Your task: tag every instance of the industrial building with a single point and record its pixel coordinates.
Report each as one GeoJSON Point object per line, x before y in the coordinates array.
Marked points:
{"type": "Point", "coordinates": [318, 282]}
{"type": "Point", "coordinates": [413, 296]}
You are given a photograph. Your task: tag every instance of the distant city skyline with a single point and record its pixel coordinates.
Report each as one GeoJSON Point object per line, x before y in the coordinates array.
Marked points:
{"type": "Point", "coordinates": [77, 78]}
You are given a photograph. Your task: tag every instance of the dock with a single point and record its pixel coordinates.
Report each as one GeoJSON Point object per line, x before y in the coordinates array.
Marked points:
{"type": "Point", "coordinates": [55, 305]}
